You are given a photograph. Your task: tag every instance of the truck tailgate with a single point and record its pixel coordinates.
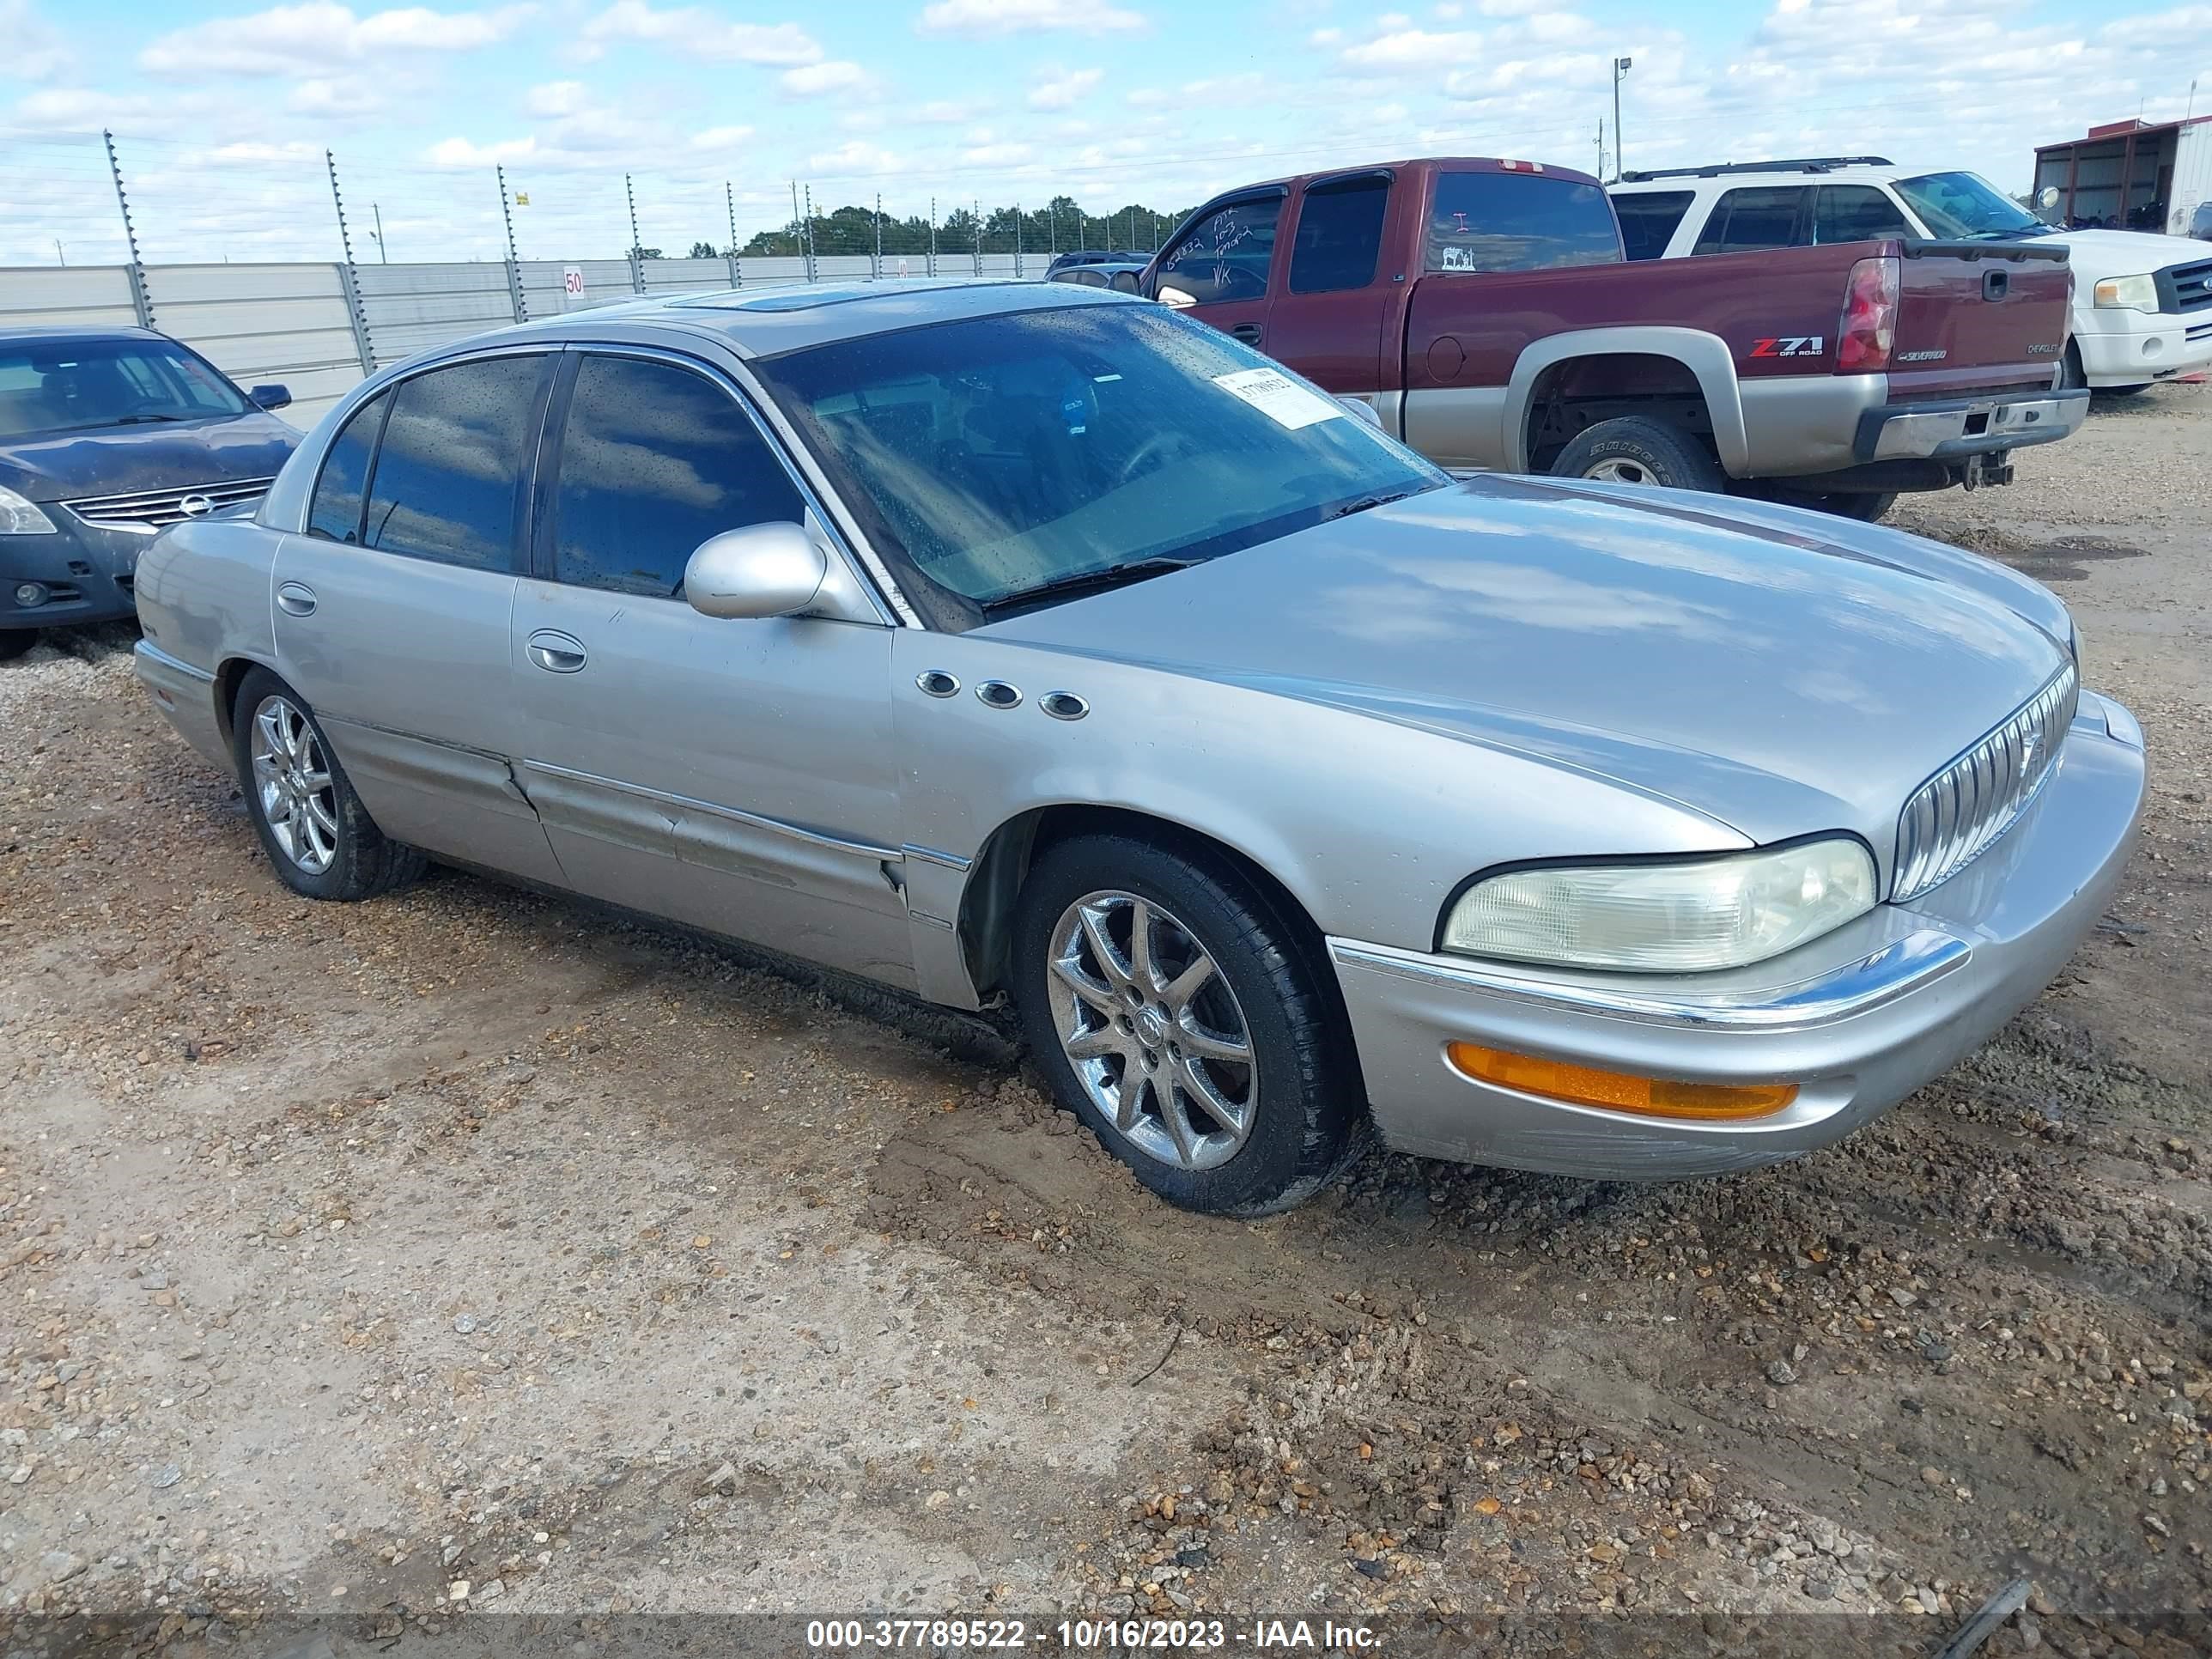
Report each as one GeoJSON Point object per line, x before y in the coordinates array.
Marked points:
{"type": "Point", "coordinates": [1972, 315]}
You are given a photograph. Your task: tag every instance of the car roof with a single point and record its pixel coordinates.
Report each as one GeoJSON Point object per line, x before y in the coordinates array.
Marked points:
{"type": "Point", "coordinates": [59, 332]}
{"type": "Point", "coordinates": [763, 322]}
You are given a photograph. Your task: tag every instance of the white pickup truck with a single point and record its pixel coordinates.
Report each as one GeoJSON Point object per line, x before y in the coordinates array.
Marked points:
{"type": "Point", "coordinates": [2142, 303]}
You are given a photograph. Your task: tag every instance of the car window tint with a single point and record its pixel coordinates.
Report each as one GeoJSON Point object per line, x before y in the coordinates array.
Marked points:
{"type": "Point", "coordinates": [1746, 219]}
{"type": "Point", "coordinates": [1340, 236]}
{"type": "Point", "coordinates": [1226, 255]}
{"type": "Point", "coordinates": [450, 471]}
{"type": "Point", "coordinates": [335, 512]}
{"type": "Point", "coordinates": [1855, 213]}
{"type": "Point", "coordinates": [655, 459]}
{"type": "Point", "coordinates": [1649, 218]}
{"type": "Point", "coordinates": [1518, 221]}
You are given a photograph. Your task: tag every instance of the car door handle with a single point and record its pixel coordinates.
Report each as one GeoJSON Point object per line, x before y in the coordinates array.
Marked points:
{"type": "Point", "coordinates": [1248, 332]}
{"type": "Point", "coordinates": [556, 652]}
{"type": "Point", "coordinates": [297, 597]}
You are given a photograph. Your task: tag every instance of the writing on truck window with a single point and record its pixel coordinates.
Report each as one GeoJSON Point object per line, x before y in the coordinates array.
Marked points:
{"type": "Point", "coordinates": [1226, 255]}
{"type": "Point", "coordinates": [1518, 221]}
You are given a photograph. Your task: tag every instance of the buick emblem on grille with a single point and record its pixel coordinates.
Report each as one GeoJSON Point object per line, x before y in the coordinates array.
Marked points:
{"type": "Point", "coordinates": [196, 507]}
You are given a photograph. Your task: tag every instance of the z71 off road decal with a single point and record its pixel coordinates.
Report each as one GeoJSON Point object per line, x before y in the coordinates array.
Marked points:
{"type": "Point", "coordinates": [1795, 345]}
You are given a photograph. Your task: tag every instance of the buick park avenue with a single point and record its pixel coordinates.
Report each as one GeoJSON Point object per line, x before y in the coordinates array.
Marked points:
{"type": "Point", "coordinates": [1030, 645]}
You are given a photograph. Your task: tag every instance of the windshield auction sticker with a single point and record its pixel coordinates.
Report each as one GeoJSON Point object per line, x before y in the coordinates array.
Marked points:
{"type": "Point", "coordinates": [1280, 399]}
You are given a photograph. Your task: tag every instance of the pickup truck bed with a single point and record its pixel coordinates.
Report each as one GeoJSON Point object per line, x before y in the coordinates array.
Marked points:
{"type": "Point", "coordinates": [1497, 324]}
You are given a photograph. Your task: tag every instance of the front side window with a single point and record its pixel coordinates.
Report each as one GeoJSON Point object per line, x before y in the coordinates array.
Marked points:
{"type": "Point", "coordinates": [71, 386]}
{"type": "Point", "coordinates": [1758, 217]}
{"type": "Point", "coordinates": [1649, 219]}
{"type": "Point", "coordinates": [1226, 255]}
{"type": "Point", "coordinates": [450, 473]}
{"type": "Point", "coordinates": [335, 512]}
{"type": "Point", "coordinates": [1965, 207]}
{"type": "Point", "coordinates": [1519, 222]}
{"type": "Point", "coordinates": [1855, 213]}
{"type": "Point", "coordinates": [1006, 454]}
{"type": "Point", "coordinates": [655, 459]}
{"type": "Point", "coordinates": [1339, 237]}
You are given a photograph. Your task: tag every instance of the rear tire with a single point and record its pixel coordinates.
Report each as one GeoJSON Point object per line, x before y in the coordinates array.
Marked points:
{"type": "Point", "coordinates": [1149, 1063]}
{"type": "Point", "coordinates": [14, 642]}
{"type": "Point", "coordinates": [319, 838]}
{"type": "Point", "coordinates": [1637, 450]}
{"type": "Point", "coordinates": [1868, 506]}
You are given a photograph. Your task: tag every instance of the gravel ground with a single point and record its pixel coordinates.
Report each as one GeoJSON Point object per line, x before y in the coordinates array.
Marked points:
{"type": "Point", "coordinates": [370, 1272]}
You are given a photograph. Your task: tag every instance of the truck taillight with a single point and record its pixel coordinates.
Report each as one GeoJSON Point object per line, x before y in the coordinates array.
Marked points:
{"type": "Point", "coordinates": [1868, 329]}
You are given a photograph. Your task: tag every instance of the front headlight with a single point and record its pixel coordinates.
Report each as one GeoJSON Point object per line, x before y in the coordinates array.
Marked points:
{"type": "Point", "coordinates": [21, 518]}
{"type": "Point", "coordinates": [2127, 294]}
{"type": "Point", "coordinates": [1674, 918]}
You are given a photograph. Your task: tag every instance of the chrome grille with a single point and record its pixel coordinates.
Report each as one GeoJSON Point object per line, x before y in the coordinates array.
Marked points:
{"type": "Point", "coordinates": [150, 510]}
{"type": "Point", "coordinates": [1952, 818]}
{"type": "Point", "coordinates": [2185, 288]}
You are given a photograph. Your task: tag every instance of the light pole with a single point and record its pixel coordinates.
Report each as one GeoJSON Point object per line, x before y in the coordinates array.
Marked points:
{"type": "Point", "coordinates": [1620, 68]}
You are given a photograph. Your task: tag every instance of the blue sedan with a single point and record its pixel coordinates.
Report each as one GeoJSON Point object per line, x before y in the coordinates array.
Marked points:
{"type": "Point", "coordinates": [106, 435]}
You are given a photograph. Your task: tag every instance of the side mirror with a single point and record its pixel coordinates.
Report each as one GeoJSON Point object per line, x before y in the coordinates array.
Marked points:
{"type": "Point", "coordinates": [2047, 197]}
{"type": "Point", "coordinates": [1175, 298]}
{"type": "Point", "coordinates": [774, 569]}
{"type": "Point", "coordinates": [270, 397]}
{"type": "Point", "coordinates": [1364, 409]}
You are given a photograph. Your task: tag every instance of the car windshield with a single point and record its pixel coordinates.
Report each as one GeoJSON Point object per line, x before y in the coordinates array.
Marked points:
{"type": "Point", "coordinates": [1965, 207]}
{"type": "Point", "coordinates": [67, 386]}
{"type": "Point", "coordinates": [1034, 450]}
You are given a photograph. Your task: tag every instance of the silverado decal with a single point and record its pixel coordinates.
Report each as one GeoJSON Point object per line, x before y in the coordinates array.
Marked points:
{"type": "Point", "coordinates": [1794, 345]}
{"type": "Point", "coordinates": [1922, 356]}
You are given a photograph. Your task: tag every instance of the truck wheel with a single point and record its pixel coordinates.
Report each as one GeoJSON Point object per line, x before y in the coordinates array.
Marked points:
{"type": "Point", "coordinates": [1632, 449]}
{"type": "Point", "coordinates": [1868, 506]}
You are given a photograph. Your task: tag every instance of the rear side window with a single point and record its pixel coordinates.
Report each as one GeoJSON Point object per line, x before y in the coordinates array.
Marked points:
{"type": "Point", "coordinates": [1339, 237]}
{"type": "Point", "coordinates": [1226, 255]}
{"type": "Point", "coordinates": [1519, 222]}
{"type": "Point", "coordinates": [1752, 218]}
{"type": "Point", "coordinates": [655, 459]}
{"type": "Point", "coordinates": [450, 473]}
{"type": "Point", "coordinates": [1648, 220]}
{"type": "Point", "coordinates": [1855, 213]}
{"type": "Point", "coordinates": [335, 512]}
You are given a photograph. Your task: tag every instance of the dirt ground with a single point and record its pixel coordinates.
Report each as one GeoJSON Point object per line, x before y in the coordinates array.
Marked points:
{"type": "Point", "coordinates": [373, 1272]}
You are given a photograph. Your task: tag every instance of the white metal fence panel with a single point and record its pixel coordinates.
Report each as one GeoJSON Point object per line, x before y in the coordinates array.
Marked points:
{"type": "Point", "coordinates": [684, 275]}
{"type": "Point", "coordinates": [545, 293]}
{"type": "Point", "coordinates": [91, 296]}
{"type": "Point", "coordinates": [287, 324]}
{"type": "Point", "coordinates": [412, 308]}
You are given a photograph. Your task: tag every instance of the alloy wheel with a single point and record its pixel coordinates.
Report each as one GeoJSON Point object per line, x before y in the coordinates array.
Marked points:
{"type": "Point", "coordinates": [1152, 1030]}
{"type": "Point", "coordinates": [292, 781]}
{"type": "Point", "coordinates": [1618, 469]}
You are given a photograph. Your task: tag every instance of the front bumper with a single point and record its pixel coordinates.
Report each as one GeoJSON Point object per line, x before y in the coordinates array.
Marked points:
{"type": "Point", "coordinates": [1858, 1020]}
{"type": "Point", "coordinates": [88, 572]}
{"type": "Point", "coordinates": [1968, 426]}
{"type": "Point", "coordinates": [2134, 348]}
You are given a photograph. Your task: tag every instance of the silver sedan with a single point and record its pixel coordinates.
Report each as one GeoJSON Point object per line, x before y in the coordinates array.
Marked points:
{"type": "Point", "coordinates": [1027, 645]}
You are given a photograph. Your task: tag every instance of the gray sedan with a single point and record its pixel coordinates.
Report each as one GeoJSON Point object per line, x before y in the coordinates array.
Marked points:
{"type": "Point", "coordinates": [1030, 644]}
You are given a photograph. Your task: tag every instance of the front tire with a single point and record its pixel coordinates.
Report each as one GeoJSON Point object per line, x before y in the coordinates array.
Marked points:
{"type": "Point", "coordinates": [14, 642]}
{"type": "Point", "coordinates": [1174, 1010]}
{"type": "Point", "coordinates": [1868, 506]}
{"type": "Point", "coordinates": [1634, 449]}
{"type": "Point", "coordinates": [319, 838]}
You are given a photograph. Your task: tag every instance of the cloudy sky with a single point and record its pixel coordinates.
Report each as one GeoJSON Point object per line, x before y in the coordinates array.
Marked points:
{"type": "Point", "coordinates": [221, 114]}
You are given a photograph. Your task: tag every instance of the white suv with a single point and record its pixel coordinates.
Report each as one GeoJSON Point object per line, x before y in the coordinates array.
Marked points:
{"type": "Point", "coordinates": [2142, 303]}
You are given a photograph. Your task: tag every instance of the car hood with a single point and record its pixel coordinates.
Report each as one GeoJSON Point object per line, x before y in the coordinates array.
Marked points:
{"type": "Point", "coordinates": [121, 460]}
{"type": "Point", "coordinates": [1778, 671]}
{"type": "Point", "coordinates": [2094, 254]}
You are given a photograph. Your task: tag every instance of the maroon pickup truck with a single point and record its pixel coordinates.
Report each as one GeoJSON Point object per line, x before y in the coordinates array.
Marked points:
{"type": "Point", "coordinates": [1484, 310]}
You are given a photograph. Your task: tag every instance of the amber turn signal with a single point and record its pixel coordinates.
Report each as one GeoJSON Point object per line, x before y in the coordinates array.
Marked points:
{"type": "Point", "coordinates": [1616, 1091]}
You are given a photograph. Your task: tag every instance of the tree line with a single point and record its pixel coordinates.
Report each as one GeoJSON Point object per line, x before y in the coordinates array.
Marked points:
{"type": "Point", "coordinates": [1060, 225]}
